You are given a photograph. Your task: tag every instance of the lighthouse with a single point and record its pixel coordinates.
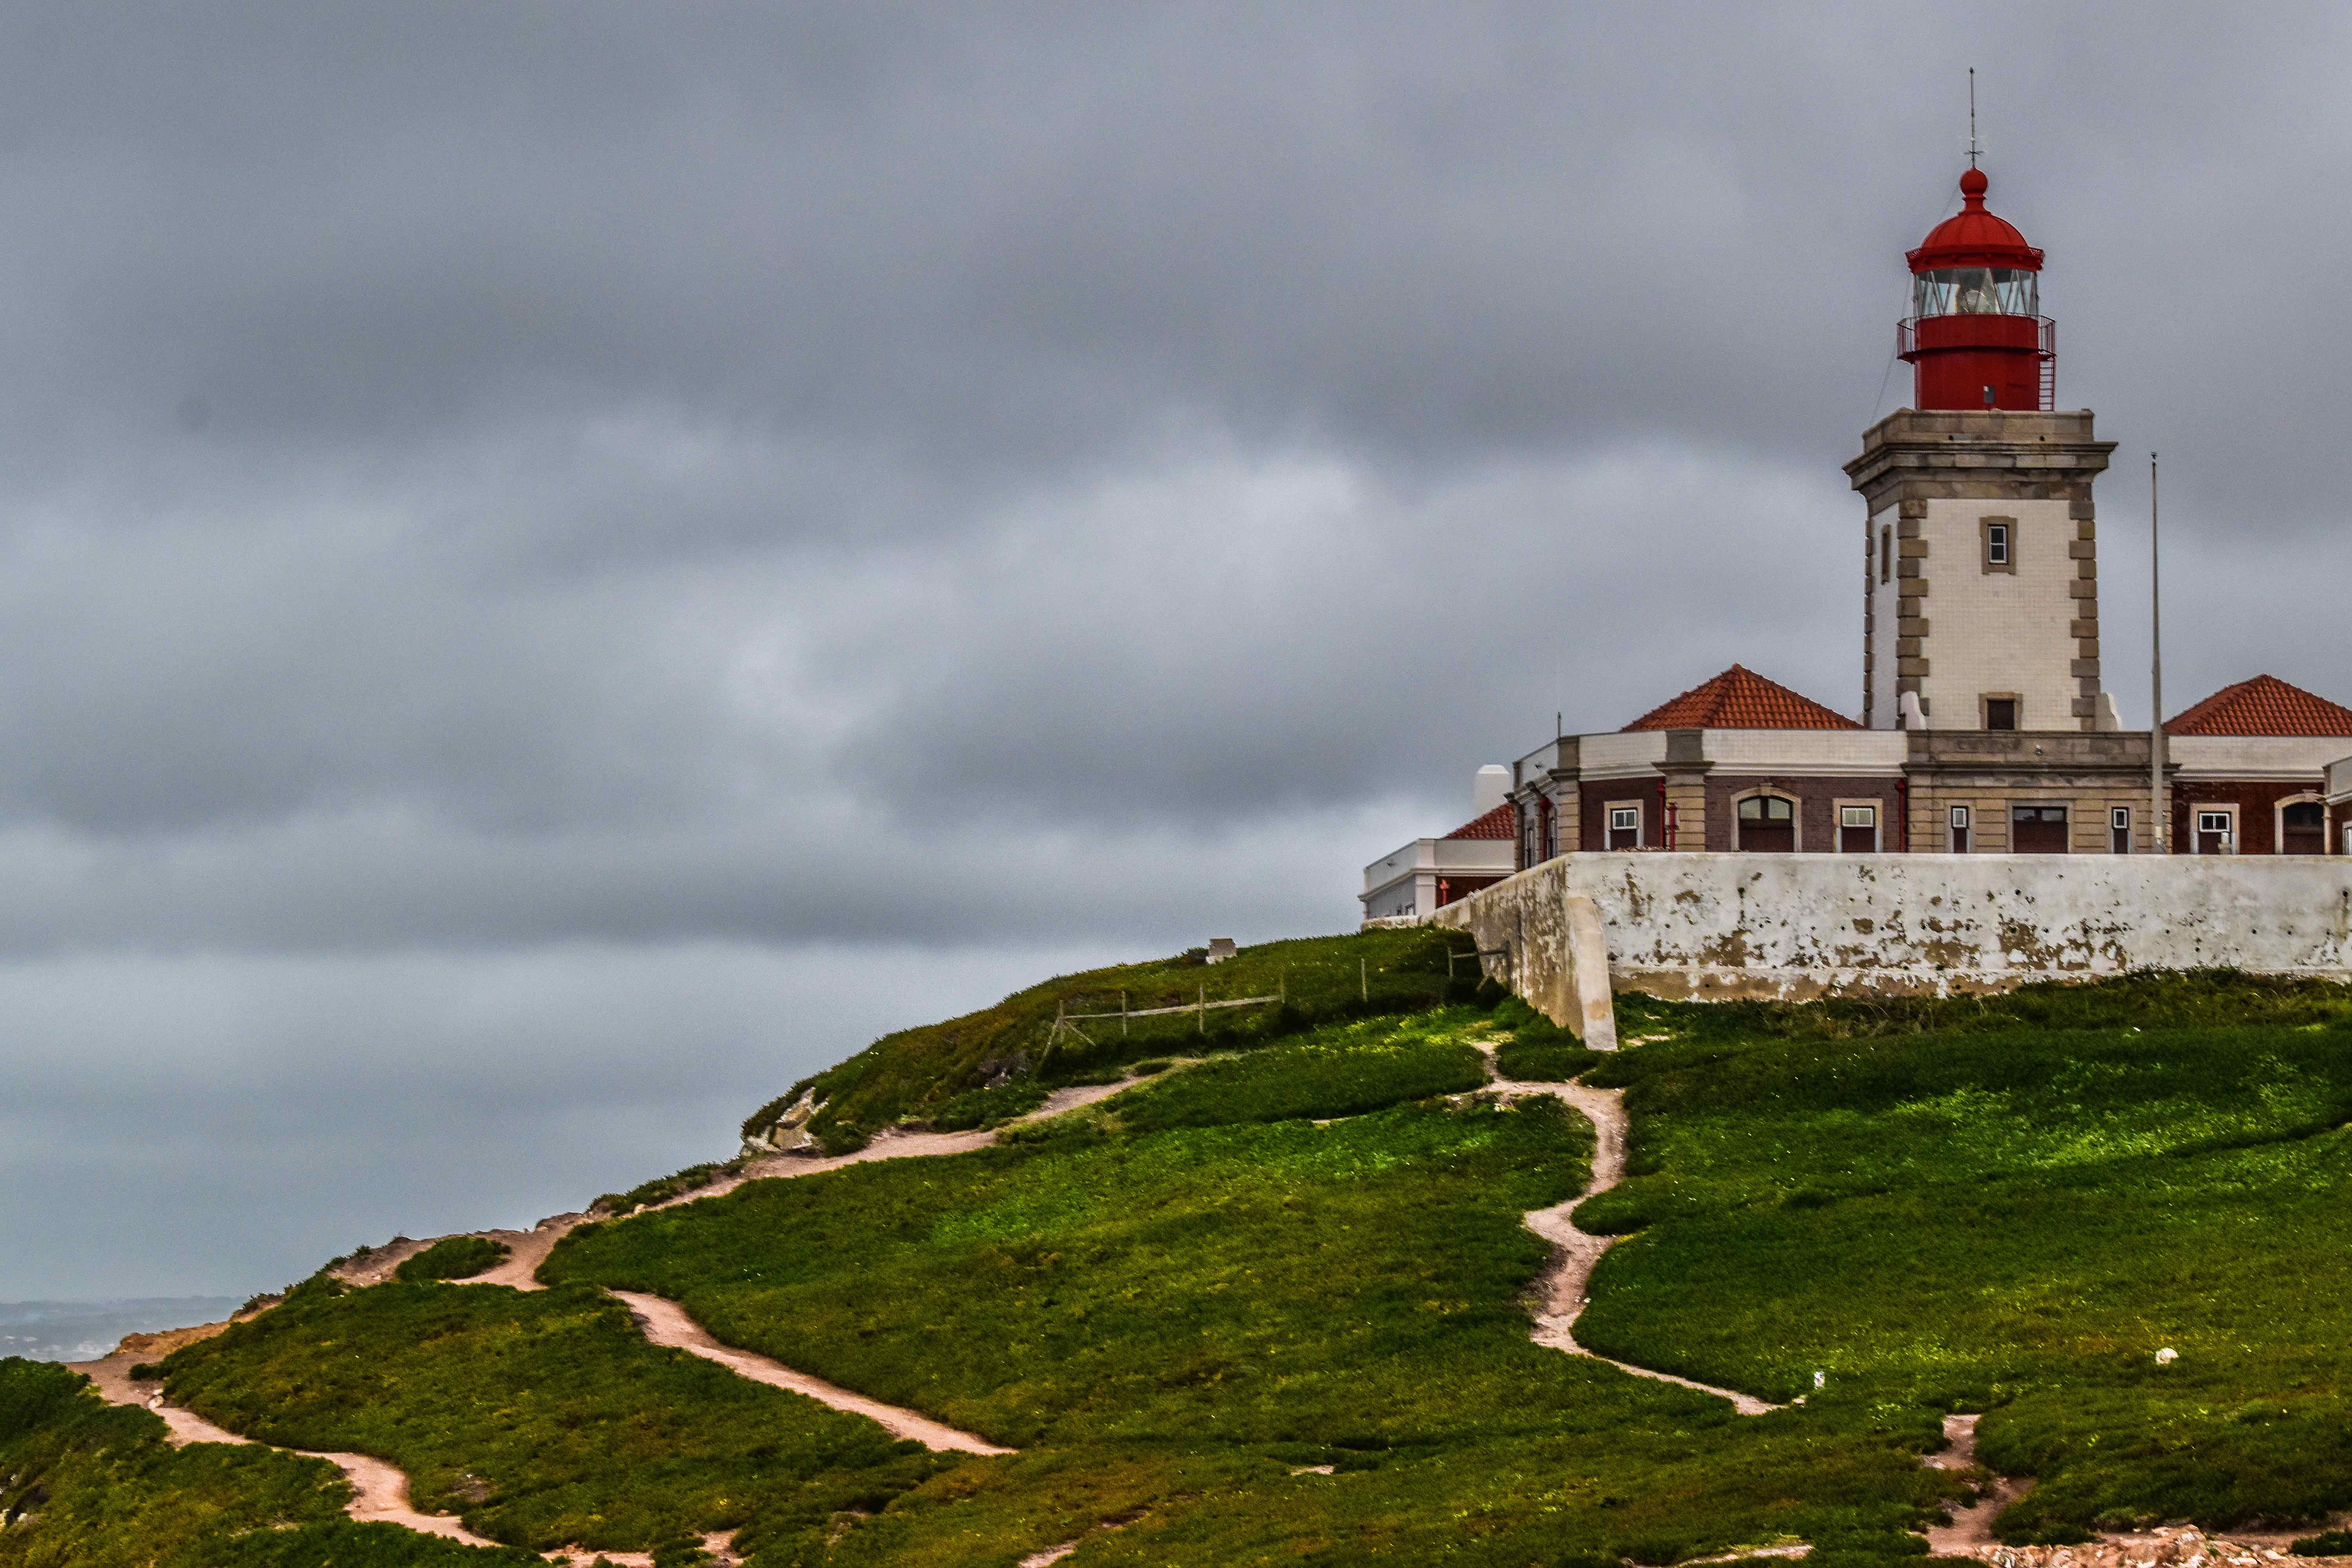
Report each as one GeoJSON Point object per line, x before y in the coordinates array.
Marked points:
{"type": "Point", "coordinates": [1976, 336]}
{"type": "Point", "coordinates": [1981, 590]}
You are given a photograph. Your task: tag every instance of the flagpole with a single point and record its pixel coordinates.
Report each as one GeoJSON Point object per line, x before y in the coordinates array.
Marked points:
{"type": "Point", "coordinates": [2159, 829]}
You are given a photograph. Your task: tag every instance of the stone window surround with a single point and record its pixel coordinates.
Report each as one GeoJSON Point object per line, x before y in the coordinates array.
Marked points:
{"type": "Point", "coordinates": [1985, 699]}
{"type": "Point", "coordinates": [2278, 819]}
{"type": "Point", "coordinates": [1609, 809]}
{"type": "Point", "coordinates": [1965, 823]}
{"type": "Point", "coordinates": [1877, 819]}
{"type": "Point", "coordinates": [2196, 809]}
{"type": "Point", "coordinates": [1985, 525]}
{"type": "Point", "coordinates": [1774, 791]}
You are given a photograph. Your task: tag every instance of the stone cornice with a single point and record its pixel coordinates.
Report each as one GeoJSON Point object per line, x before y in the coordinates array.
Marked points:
{"type": "Point", "coordinates": [1994, 455]}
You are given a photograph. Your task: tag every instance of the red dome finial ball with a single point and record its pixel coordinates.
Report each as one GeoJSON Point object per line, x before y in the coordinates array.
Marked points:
{"type": "Point", "coordinates": [1976, 336]}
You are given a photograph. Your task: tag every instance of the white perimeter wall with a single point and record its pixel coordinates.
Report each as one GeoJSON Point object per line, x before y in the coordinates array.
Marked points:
{"type": "Point", "coordinates": [1799, 926]}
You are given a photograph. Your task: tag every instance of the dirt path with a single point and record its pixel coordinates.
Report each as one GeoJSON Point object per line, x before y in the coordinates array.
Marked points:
{"type": "Point", "coordinates": [379, 1491]}
{"type": "Point", "coordinates": [1970, 1535]}
{"type": "Point", "coordinates": [2171, 1546]}
{"type": "Point", "coordinates": [527, 1250]}
{"type": "Point", "coordinates": [1576, 1252]}
{"type": "Point", "coordinates": [1972, 1528]}
{"type": "Point", "coordinates": [666, 1322]}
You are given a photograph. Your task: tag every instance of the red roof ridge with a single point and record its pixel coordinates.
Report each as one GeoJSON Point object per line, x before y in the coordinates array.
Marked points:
{"type": "Point", "coordinates": [2264, 705]}
{"type": "Point", "coordinates": [1503, 822]}
{"type": "Point", "coordinates": [1740, 699]}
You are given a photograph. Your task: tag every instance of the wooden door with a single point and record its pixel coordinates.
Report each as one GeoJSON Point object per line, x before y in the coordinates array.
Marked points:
{"type": "Point", "coordinates": [2214, 833]}
{"type": "Point", "coordinates": [1858, 829]}
{"type": "Point", "coordinates": [2037, 829]}
{"type": "Point", "coordinates": [1767, 824]}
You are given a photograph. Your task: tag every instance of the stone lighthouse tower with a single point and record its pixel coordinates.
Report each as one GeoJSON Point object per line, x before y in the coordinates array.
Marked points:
{"type": "Point", "coordinates": [1981, 597]}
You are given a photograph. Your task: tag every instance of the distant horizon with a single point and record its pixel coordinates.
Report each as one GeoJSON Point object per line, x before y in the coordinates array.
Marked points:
{"type": "Point", "coordinates": [80, 1331]}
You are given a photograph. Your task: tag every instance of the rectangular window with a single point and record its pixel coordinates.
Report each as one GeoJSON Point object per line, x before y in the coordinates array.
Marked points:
{"type": "Point", "coordinates": [2000, 713]}
{"type": "Point", "coordinates": [2119, 830]}
{"type": "Point", "coordinates": [1625, 827]}
{"type": "Point", "coordinates": [2000, 543]}
{"type": "Point", "coordinates": [2217, 832]}
{"type": "Point", "coordinates": [1959, 830]}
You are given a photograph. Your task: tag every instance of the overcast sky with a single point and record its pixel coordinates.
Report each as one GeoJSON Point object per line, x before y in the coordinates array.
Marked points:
{"type": "Point", "coordinates": [563, 565]}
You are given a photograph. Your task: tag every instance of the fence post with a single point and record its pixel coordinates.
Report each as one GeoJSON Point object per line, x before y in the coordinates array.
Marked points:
{"type": "Point", "coordinates": [1201, 1012]}
{"type": "Point", "coordinates": [1363, 979]}
{"type": "Point", "coordinates": [1122, 1014]}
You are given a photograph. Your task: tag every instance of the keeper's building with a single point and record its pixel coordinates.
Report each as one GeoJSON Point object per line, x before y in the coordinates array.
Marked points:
{"type": "Point", "coordinates": [1984, 727]}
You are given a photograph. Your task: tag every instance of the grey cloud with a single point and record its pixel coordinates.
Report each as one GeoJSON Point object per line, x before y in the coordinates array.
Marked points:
{"type": "Point", "coordinates": [860, 481]}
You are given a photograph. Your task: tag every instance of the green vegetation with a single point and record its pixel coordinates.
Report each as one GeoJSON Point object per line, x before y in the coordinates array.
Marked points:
{"type": "Point", "coordinates": [1536, 1049]}
{"type": "Point", "coordinates": [661, 1189]}
{"type": "Point", "coordinates": [1345, 1069]}
{"type": "Point", "coordinates": [94, 1486]}
{"type": "Point", "coordinates": [930, 1075]}
{"type": "Point", "coordinates": [542, 1419]}
{"type": "Point", "coordinates": [992, 1107]}
{"type": "Point", "coordinates": [1299, 1245]}
{"type": "Point", "coordinates": [2006, 1206]}
{"type": "Point", "coordinates": [1173, 1306]}
{"type": "Point", "coordinates": [453, 1258]}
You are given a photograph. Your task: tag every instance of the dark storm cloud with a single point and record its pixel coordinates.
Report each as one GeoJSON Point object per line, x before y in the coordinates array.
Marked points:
{"type": "Point", "coordinates": [540, 491]}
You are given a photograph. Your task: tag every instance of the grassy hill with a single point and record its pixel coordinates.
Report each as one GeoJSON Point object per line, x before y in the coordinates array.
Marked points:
{"type": "Point", "coordinates": [1271, 1302]}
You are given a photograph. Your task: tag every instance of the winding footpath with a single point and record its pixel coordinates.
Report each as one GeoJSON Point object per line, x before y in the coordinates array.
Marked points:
{"type": "Point", "coordinates": [1563, 1285]}
{"type": "Point", "coordinates": [664, 1322]}
{"type": "Point", "coordinates": [379, 1491]}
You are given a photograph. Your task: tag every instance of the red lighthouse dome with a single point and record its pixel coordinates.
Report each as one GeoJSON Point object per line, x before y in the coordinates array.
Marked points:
{"type": "Point", "coordinates": [1976, 336]}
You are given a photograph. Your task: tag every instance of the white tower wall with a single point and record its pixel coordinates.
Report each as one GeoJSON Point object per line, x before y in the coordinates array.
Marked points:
{"type": "Point", "coordinates": [1951, 624]}
{"type": "Point", "coordinates": [1996, 632]}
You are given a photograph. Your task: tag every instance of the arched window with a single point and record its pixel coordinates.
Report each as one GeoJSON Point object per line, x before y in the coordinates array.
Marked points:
{"type": "Point", "coordinates": [2303, 828]}
{"type": "Point", "coordinates": [1768, 823]}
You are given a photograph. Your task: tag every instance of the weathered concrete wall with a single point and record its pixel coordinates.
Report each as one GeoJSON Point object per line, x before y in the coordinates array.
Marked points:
{"type": "Point", "coordinates": [1556, 952]}
{"type": "Point", "coordinates": [1800, 926]}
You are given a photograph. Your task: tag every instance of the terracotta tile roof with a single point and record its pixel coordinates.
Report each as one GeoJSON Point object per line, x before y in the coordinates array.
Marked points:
{"type": "Point", "coordinates": [1740, 699]}
{"type": "Point", "coordinates": [2263, 706]}
{"type": "Point", "coordinates": [1503, 822]}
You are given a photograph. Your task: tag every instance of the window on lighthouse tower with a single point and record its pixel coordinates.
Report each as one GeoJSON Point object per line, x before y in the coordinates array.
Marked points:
{"type": "Point", "coordinates": [1977, 292]}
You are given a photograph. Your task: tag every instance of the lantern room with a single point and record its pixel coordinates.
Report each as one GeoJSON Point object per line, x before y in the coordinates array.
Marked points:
{"type": "Point", "coordinates": [1976, 336]}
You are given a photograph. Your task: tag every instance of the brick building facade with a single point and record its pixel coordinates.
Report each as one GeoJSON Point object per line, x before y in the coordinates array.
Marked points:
{"type": "Point", "coordinates": [1984, 726]}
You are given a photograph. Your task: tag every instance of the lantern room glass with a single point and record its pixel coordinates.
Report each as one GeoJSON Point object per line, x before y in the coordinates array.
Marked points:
{"type": "Point", "coordinates": [1977, 292]}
